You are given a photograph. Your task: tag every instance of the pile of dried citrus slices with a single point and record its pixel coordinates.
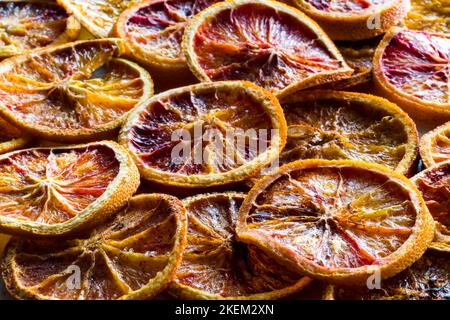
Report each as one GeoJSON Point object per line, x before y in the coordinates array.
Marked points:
{"type": "Point", "coordinates": [205, 149]}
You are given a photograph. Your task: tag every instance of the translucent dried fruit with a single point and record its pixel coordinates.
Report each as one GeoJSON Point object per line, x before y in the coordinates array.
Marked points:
{"type": "Point", "coordinates": [132, 256]}
{"type": "Point", "coordinates": [339, 221]}
{"type": "Point", "coordinates": [342, 125]}
{"type": "Point", "coordinates": [355, 19]}
{"type": "Point", "coordinates": [97, 16]}
{"type": "Point", "coordinates": [33, 24]}
{"type": "Point", "coordinates": [52, 192]}
{"type": "Point", "coordinates": [426, 279]}
{"type": "Point", "coordinates": [435, 145]}
{"type": "Point", "coordinates": [434, 184]}
{"type": "Point", "coordinates": [205, 135]}
{"type": "Point", "coordinates": [265, 42]}
{"type": "Point", "coordinates": [429, 15]}
{"type": "Point", "coordinates": [216, 265]}
{"type": "Point", "coordinates": [411, 69]}
{"type": "Point", "coordinates": [74, 92]}
{"type": "Point", "coordinates": [11, 138]}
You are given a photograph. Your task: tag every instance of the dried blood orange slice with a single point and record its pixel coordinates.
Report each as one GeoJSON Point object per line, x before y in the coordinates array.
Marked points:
{"type": "Point", "coordinates": [411, 68]}
{"type": "Point", "coordinates": [132, 256]}
{"type": "Point", "coordinates": [340, 221]}
{"type": "Point", "coordinates": [97, 16]}
{"type": "Point", "coordinates": [52, 192]}
{"type": "Point", "coordinates": [426, 279]}
{"type": "Point", "coordinates": [153, 29]}
{"type": "Point", "coordinates": [216, 265]}
{"type": "Point", "coordinates": [355, 19]}
{"type": "Point", "coordinates": [435, 145]}
{"type": "Point", "coordinates": [343, 125]}
{"type": "Point", "coordinates": [434, 183]}
{"type": "Point", "coordinates": [11, 138]}
{"type": "Point", "coordinates": [429, 15]}
{"type": "Point", "coordinates": [266, 42]}
{"type": "Point", "coordinates": [205, 135]}
{"type": "Point", "coordinates": [28, 25]}
{"type": "Point", "coordinates": [74, 92]}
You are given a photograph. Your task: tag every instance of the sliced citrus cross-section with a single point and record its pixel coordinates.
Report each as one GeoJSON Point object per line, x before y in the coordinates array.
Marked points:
{"type": "Point", "coordinates": [429, 15]}
{"type": "Point", "coordinates": [339, 221]}
{"type": "Point", "coordinates": [343, 125]}
{"type": "Point", "coordinates": [11, 138]}
{"type": "Point", "coordinates": [132, 256]}
{"type": "Point", "coordinates": [411, 68]}
{"type": "Point", "coordinates": [33, 24]}
{"type": "Point", "coordinates": [74, 92]}
{"type": "Point", "coordinates": [205, 135]}
{"type": "Point", "coordinates": [435, 145]}
{"type": "Point", "coordinates": [216, 265]}
{"type": "Point", "coordinates": [53, 192]}
{"type": "Point", "coordinates": [434, 183]}
{"type": "Point", "coordinates": [266, 42]}
{"type": "Point", "coordinates": [426, 279]}
{"type": "Point", "coordinates": [97, 16]}
{"type": "Point", "coordinates": [355, 19]}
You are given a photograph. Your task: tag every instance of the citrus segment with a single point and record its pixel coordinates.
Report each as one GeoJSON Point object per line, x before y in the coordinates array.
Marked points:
{"type": "Point", "coordinates": [434, 183]}
{"type": "Point", "coordinates": [97, 16]}
{"type": "Point", "coordinates": [216, 265]}
{"type": "Point", "coordinates": [73, 92]}
{"type": "Point", "coordinates": [29, 25]}
{"type": "Point", "coordinates": [265, 42]}
{"type": "Point", "coordinates": [132, 256]}
{"type": "Point", "coordinates": [429, 15]}
{"type": "Point", "coordinates": [411, 68]}
{"type": "Point", "coordinates": [342, 125]}
{"type": "Point", "coordinates": [435, 145]}
{"type": "Point", "coordinates": [337, 220]}
{"type": "Point", "coordinates": [426, 279]}
{"type": "Point", "coordinates": [206, 134]}
{"type": "Point", "coordinates": [51, 192]}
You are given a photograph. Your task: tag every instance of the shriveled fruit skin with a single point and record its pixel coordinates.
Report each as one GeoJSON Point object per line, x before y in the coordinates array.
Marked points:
{"type": "Point", "coordinates": [245, 40]}
{"type": "Point", "coordinates": [429, 15]}
{"type": "Point", "coordinates": [435, 145]}
{"type": "Point", "coordinates": [132, 256]}
{"type": "Point", "coordinates": [217, 266]}
{"type": "Point", "coordinates": [427, 279]}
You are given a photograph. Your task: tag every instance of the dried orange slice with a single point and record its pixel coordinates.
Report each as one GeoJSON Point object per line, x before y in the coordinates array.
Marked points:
{"type": "Point", "coordinates": [411, 68]}
{"type": "Point", "coordinates": [426, 279]}
{"type": "Point", "coordinates": [52, 192]}
{"type": "Point", "coordinates": [205, 135]}
{"type": "Point", "coordinates": [435, 145]}
{"type": "Point", "coordinates": [216, 265]}
{"type": "Point", "coordinates": [32, 24]}
{"type": "Point", "coordinates": [339, 221]}
{"type": "Point", "coordinates": [429, 15]}
{"type": "Point", "coordinates": [434, 183]}
{"type": "Point", "coordinates": [97, 16]}
{"type": "Point", "coordinates": [355, 19]}
{"type": "Point", "coordinates": [74, 92]}
{"type": "Point", "coordinates": [133, 256]}
{"type": "Point", "coordinates": [153, 29]}
{"type": "Point", "coordinates": [266, 42]}
{"type": "Point", "coordinates": [343, 125]}
{"type": "Point", "coordinates": [11, 138]}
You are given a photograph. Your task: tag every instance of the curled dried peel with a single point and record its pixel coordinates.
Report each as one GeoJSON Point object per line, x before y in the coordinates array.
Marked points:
{"type": "Point", "coordinates": [11, 138]}
{"type": "Point", "coordinates": [74, 92]}
{"type": "Point", "coordinates": [337, 220]}
{"type": "Point", "coordinates": [217, 266]}
{"type": "Point", "coordinates": [435, 145]}
{"type": "Point", "coordinates": [265, 42]}
{"type": "Point", "coordinates": [132, 256]}
{"type": "Point", "coordinates": [54, 192]}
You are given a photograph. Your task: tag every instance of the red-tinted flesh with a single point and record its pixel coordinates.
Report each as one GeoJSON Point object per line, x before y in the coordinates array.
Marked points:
{"type": "Point", "coordinates": [158, 27]}
{"type": "Point", "coordinates": [257, 43]}
{"type": "Point", "coordinates": [427, 279]}
{"type": "Point", "coordinates": [418, 64]}
{"type": "Point", "coordinates": [216, 114]}
{"type": "Point", "coordinates": [53, 186]}
{"type": "Point", "coordinates": [346, 6]}
{"type": "Point", "coordinates": [124, 255]}
{"type": "Point", "coordinates": [334, 217]}
{"type": "Point", "coordinates": [216, 263]}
